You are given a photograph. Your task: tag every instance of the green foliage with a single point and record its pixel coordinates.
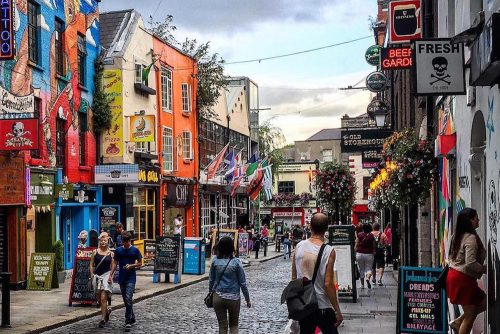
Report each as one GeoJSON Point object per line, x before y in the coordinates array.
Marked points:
{"type": "Point", "coordinates": [335, 188]}
{"type": "Point", "coordinates": [101, 110]}
{"type": "Point", "coordinates": [210, 74]}
{"type": "Point", "coordinates": [271, 144]}
{"type": "Point", "coordinates": [58, 250]}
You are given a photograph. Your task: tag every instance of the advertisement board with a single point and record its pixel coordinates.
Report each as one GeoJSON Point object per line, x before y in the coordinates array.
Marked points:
{"type": "Point", "coordinates": [396, 58]}
{"type": "Point", "coordinates": [108, 174]}
{"type": "Point", "coordinates": [112, 139]}
{"type": "Point", "coordinates": [19, 134]}
{"type": "Point", "coordinates": [12, 181]}
{"type": "Point", "coordinates": [341, 237]}
{"type": "Point", "coordinates": [355, 141]}
{"type": "Point", "coordinates": [142, 128]}
{"type": "Point", "coordinates": [405, 21]}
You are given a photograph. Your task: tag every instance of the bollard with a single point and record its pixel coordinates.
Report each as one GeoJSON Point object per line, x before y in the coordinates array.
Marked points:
{"type": "Point", "coordinates": [6, 299]}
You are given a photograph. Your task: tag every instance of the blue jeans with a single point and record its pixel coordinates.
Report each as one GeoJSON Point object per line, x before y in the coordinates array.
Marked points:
{"type": "Point", "coordinates": [287, 248]}
{"type": "Point", "coordinates": [127, 289]}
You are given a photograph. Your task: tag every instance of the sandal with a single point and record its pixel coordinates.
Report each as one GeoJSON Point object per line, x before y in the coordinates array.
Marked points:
{"type": "Point", "coordinates": [107, 314]}
{"type": "Point", "coordinates": [454, 327]}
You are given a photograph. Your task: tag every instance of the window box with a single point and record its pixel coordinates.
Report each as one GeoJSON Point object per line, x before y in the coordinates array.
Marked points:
{"type": "Point", "coordinates": [144, 89]}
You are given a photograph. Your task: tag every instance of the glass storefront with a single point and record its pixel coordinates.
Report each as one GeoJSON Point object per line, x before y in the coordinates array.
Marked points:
{"type": "Point", "coordinates": [144, 200]}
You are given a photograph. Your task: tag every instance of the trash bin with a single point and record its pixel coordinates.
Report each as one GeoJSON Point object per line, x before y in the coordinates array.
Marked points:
{"type": "Point", "coordinates": [194, 256]}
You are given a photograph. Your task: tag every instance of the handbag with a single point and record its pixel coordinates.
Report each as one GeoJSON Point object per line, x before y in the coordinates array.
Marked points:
{"type": "Point", "coordinates": [300, 295]}
{"type": "Point", "coordinates": [209, 299]}
{"type": "Point", "coordinates": [92, 284]}
{"type": "Point", "coordinates": [441, 280]}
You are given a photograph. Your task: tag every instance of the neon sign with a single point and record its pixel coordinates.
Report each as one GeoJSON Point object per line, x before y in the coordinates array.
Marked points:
{"type": "Point", "coordinates": [6, 30]}
{"type": "Point", "coordinates": [395, 58]}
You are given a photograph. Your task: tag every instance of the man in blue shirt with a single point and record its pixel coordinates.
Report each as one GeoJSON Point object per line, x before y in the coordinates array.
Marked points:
{"type": "Point", "coordinates": [128, 258]}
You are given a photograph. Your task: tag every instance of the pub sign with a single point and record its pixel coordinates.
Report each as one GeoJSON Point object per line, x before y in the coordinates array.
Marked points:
{"type": "Point", "coordinates": [405, 22]}
{"type": "Point", "coordinates": [354, 141]}
{"type": "Point", "coordinates": [179, 194]}
{"type": "Point", "coordinates": [19, 134]}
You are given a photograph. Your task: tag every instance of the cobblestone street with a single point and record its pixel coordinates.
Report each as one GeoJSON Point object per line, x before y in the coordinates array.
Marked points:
{"type": "Point", "coordinates": [183, 311]}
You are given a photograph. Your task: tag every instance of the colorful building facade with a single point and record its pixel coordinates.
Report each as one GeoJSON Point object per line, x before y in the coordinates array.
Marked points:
{"type": "Point", "coordinates": [51, 80]}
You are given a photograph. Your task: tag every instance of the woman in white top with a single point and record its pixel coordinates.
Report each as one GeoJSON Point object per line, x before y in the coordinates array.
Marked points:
{"type": "Point", "coordinates": [328, 317]}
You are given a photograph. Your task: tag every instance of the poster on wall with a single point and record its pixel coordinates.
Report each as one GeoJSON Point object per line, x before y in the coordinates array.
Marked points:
{"type": "Point", "coordinates": [243, 245]}
{"type": "Point", "coordinates": [112, 139]}
{"type": "Point", "coordinates": [421, 304]}
{"type": "Point", "coordinates": [12, 181]}
{"type": "Point", "coordinates": [142, 128]}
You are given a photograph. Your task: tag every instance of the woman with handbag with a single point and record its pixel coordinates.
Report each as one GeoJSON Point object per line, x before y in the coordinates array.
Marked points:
{"type": "Point", "coordinates": [313, 262]}
{"type": "Point", "coordinates": [226, 279]}
{"type": "Point", "coordinates": [466, 266]}
{"type": "Point", "coordinates": [100, 267]}
{"type": "Point", "coordinates": [365, 250]}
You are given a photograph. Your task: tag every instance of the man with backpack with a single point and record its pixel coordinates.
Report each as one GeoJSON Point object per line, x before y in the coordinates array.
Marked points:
{"type": "Point", "coordinates": [379, 256]}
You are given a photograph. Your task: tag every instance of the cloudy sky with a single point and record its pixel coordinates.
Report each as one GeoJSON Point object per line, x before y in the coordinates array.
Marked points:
{"type": "Point", "coordinates": [301, 90]}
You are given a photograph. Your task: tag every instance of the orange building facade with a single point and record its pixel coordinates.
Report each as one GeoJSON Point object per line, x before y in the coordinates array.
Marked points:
{"type": "Point", "coordinates": [177, 138]}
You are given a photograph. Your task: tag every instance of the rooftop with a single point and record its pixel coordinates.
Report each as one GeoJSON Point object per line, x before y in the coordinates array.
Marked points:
{"type": "Point", "coordinates": [326, 134]}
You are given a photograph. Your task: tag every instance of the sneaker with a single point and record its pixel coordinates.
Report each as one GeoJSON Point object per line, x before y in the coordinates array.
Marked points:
{"type": "Point", "coordinates": [368, 284]}
{"type": "Point", "coordinates": [128, 327]}
{"type": "Point", "coordinates": [374, 280]}
{"type": "Point", "coordinates": [132, 322]}
{"type": "Point", "coordinates": [102, 323]}
{"type": "Point", "coordinates": [380, 283]}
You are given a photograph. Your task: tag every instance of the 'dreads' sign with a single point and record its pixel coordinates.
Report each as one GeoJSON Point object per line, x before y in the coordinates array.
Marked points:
{"type": "Point", "coordinates": [439, 67]}
{"type": "Point", "coordinates": [421, 305]}
{"type": "Point", "coordinates": [6, 30]}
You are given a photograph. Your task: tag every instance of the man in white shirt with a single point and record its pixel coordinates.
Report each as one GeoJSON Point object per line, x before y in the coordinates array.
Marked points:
{"type": "Point", "coordinates": [178, 225]}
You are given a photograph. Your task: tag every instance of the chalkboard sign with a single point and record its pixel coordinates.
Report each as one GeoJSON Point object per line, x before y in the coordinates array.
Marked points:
{"type": "Point", "coordinates": [149, 254]}
{"type": "Point", "coordinates": [109, 215]}
{"type": "Point", "coordinates": [233, 234]}
{"type": "Point", "coordinates": [341, 237]}
{"type": "Point", "coordinates": [278, 228]}
{"type": "Point", "coordinates": [80, 291]}
{"type": "Point", "coordinates": [421, 304]}
{"type": "Point", "coordinates": [41, 271]}
{"type": "Point", "coordinates": [243, 244]}
{"type": "Point", "coordinates": [168, 254]}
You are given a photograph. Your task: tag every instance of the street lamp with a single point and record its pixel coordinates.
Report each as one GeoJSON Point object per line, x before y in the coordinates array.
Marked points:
{"type": "Point", "coordinates": [380, 116]}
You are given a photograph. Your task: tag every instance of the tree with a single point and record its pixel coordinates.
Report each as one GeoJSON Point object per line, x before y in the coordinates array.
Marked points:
{"type": "Point", "coordinates": [335, 189]}
{"type": "Point", "coordinates": [271, 144]}
{"type": "Point", "coordinates": [210, 75]}
{"type": "Point", "coordinates": [101, 110]}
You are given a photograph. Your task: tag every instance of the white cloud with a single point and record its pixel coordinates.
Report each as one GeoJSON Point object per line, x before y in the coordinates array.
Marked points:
{"type": "Point", "coordinates": [43, 23]}
{"type": "Point", "coordinates": [48, 3]}
{"type": "Point", "coordinates": [90, 39]}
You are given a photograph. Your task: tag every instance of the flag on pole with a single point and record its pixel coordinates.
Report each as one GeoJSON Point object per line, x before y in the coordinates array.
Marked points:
{"type": "Point", "coordinates": [213, 166]}
{"type": "Point", "coordinates": [268, 183]}
{"type": "Point", "coordinates": [253, 158]}
{"type": "Point", "coordinates": [256, 179]}
{"type": "Point", "coordinates": [146, 70]}
{"type": "Point", "coordinates": [235, 186]}
{"type": "Point", "coordinates": [230, 161]}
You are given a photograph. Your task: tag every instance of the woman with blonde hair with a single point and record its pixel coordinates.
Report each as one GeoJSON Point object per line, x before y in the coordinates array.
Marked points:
{"type": "Point", "coordinates": [100, 267]}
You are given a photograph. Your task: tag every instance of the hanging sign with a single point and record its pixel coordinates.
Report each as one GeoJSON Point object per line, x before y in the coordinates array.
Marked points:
{"type": "Point", "coordinates": [112, 140]}
{"type": "Point", "coordinates": [377, 106]}
{"type": "Point", "coordinates": [142, 128]}
{"type": "Point", "coordinates": [405, 23]}
{"type": "Point", "coordinates": [7, 34]}
{"type": "Point", "coordinates": [63, 191]}
{"type": "Point", "coordinates": [125, 173]}
{"type": "Point", "coordinates": [19, 134]}
{"type": "Point", "coordinates": [439, 67]}
{"type": "Point", "coordinates": [42, 188]}
{"type": "Point", "coordinates": [371, 158]}
{"type": "Point", "coordinates": [395, 58]}
{"type": "Point", "coordinates": [13, 106]}
{"type": "Point", "coordinates": [372, 55]}
{"type": "Point", "coordinates": [376, 82]}
{"type": "Point", "coordinates": [179, 195]}
{"type": "Point", "coordinates": [421, 304]}
{"type": "Point", "coordinates": [353, 141]}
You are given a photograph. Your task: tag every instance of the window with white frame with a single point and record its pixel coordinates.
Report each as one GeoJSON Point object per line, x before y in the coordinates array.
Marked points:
{"type": "Point", "coordinates": [206, 227]}
{"type": "Point", "coordinates": [187, 148]}
{"type": "Point", "coordinates": [223, 208]}
{"type": "Point", "coordinates": [166, 89]}
{"type": "Point", "coordinates": [327, 155]}
{"type": "Point", "coordinates": [167, 149]}
{"type": "Point", "coordinates": [234, 212]}
{"type": "Point", "coordinates": [139, 74]}
{"type": "Point", "coordinates": [142, 147]}
{"type": "Point", "coordinates": [186, 97]}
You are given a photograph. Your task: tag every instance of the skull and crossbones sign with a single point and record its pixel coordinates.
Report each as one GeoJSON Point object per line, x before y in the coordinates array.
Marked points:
{"type": "Point", "coordinates": [18, 130]}
{"type": "Point", "coordinates": [440, 65]}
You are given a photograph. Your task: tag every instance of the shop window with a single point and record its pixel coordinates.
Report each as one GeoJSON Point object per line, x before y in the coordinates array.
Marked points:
{"type": "Point", "coordinates": [186, 97]}
{"type": "Point", "coordinates": [286, 187]}
{"type": "Point", "coordinates": [33, 32]}
{"type": "Point", "coordinates": [144, 200]}
{"type": "Point", "coordinates": [166, 89]}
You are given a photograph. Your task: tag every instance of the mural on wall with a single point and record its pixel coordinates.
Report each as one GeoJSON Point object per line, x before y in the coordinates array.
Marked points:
{"type": "Point", "coordinates": [493, 201]}
{"type": "Point", "coordinates": [60, 96]}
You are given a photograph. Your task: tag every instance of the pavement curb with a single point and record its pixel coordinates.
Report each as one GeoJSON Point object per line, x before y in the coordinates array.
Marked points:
{"type": "Point", "coordinates": [67, 319]}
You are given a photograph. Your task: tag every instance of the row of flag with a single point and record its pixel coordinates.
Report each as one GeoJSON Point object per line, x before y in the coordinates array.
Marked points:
{"type": "Point", "coordinates": [230, 164]}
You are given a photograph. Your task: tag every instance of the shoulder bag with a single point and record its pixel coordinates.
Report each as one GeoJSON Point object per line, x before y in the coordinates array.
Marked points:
{"type": "Point", "coordinates": [92, 284]}
{"type": "Point", "coordinates": [209, 299]}
{"type": "Point", "coordinates": [300, 295]}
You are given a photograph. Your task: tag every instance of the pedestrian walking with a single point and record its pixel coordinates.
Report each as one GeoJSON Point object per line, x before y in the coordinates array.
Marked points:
{"type": "Point", "coordinates": [128, 259]}
{"type": "Point", "coordinates": [466, 266]}
{"type": "Point", "coordinates": [100, 266]}
{"type": "Point", "coordinates": [328, 316]}
{"type": "Point", "coordinates": [118, 235]}
{"type": "Point", "coordinates": [265, 238]}
{"type": "Point", "coordinates": [226, 279]}
{"type": "Point", "coordinates": [364, 254]}
{"type": "Point", "coordinates": [287, 245]}
{"type": "Point", "coordinates": [388, 249]}
{"type": "Point", "coordinates": [379, 254]}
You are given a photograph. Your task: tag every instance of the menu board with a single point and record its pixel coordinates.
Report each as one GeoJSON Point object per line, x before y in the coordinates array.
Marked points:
{"type": "Point", "coordinates": [278, 228]}
{"type": "Point", "coordinates": [421, 304]}
{"type": "Point", "coordinates": [341, 237]}
{"type": "Point", "coordinates": [243, 244]}
{"type": "Point", "coordinates": [233, 234]}
{"type": "Point", "coordinates": [41, 271]}
{"type": "Point", "coordinates": [80, 291]}
{"type": "Point", "coordinates": [109, 215]}
{"type": "Point", "coordinates": [149, 254]}
{"type": "Point", "coordinates": [168, 255]}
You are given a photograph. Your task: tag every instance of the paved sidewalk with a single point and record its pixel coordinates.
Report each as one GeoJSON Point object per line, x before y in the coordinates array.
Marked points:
{"type": "Point", "coordinates": [375, 310]}
{"type": "Point", "coordinates": [38, 311]}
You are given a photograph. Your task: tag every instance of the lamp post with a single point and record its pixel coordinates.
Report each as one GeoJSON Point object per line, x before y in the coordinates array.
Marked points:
{"type": "Point", "coordinates": [380, 117]}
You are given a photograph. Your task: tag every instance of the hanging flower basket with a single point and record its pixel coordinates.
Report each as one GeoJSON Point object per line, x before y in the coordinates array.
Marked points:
{"type": "Point", "coordinates": [335, 187]}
